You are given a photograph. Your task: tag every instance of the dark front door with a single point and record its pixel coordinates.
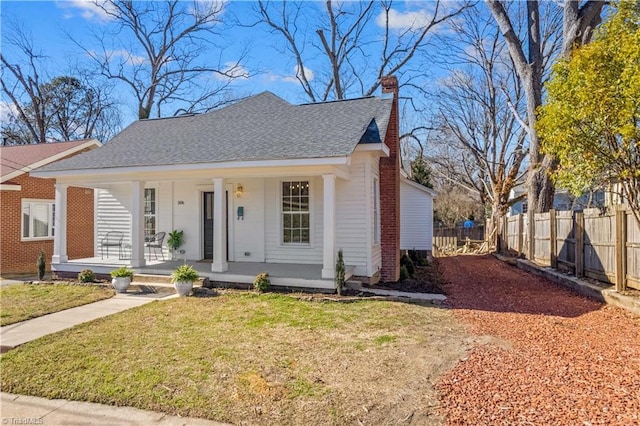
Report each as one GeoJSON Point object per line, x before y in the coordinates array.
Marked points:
{"type": "Point", "coordinates": [207, 214]}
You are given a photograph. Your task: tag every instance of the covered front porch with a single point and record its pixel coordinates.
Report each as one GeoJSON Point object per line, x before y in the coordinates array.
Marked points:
{"type": "Point", "coordinates": [280, 274]}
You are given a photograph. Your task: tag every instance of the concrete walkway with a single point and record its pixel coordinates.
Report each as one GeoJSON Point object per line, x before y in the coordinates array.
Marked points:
{"type": "Point", "coordinates": [20, 409]}
{"type": "Point", "coordinates": [22, 332]}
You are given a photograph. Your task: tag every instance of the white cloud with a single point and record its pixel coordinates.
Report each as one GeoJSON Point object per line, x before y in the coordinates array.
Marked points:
{"type": "Point", "coordinates": [7, 110]}
{"type": "Point", "coordinates": [233, 70]}
{"type": "Point", "coordinates": [405, 20]}
{"type": "Point", "coordinates": [128, 57]}
{"type": "Point", "coordinates": [86, 8]}
{"type": "Point", "coordinates": [296, 73]}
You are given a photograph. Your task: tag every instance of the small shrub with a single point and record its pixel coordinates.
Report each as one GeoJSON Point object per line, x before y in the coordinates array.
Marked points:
{"type": "Point", "coordinates": [122, 272]}
{"type": "Point", "coordinates": [42, 264]}
{"type": "Point", "coordinates": [404, 274]}
{"type": "Point", "coordinates": [184, 273]}
{"type": "Point", "coordinates": [86, 276]}
{"type": "Point", "coordinates": [340, 272]}
{"type": "Point", "coordinates": [407, 262]}
{"type": "Point", "coordinates": [413, 254]}
{"type": "Point", "coordinates": [262, 282]}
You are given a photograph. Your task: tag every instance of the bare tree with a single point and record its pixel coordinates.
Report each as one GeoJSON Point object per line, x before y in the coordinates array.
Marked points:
{"type": "Point", "coordinates": [22, 84]}
{"type": "Point", "coordinates": [343, 32]}
{"type": "Point", "coordinates": [160, 51]}
{"type": "Point", "coordinates": [43, 110]}
{"type": "Point", "coordinates": [476, 119]}
{"type": "Point", "coordinates": [578, 24]}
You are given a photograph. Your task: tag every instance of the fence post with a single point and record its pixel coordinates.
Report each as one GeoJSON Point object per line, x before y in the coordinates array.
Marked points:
{"type": "Point", "coordinates": [520, 231]}
{"type": "Point", "coordinates": [579, 236]}
{"type": "Point", "coordinates": [532, 235]}
{"type": "Point", "coordinates": [553, 252]}
{"type": "Point", "coordinates": [505, 232]}
{"type": "Point", "coordinates": [621, 250]}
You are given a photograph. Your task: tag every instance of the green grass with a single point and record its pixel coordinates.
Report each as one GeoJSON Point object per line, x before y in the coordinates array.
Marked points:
{"type": "Point", "coordinates": [242, 358]}
{"type": "Point", "coordinates": [24, 301]}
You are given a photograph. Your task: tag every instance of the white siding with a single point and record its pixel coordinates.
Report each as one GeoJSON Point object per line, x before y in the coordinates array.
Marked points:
{"type": "Point", "coordinates": [277, 252]}
{"type": "Point", "coordinates": [113, 214]}
{"type": "Point", "coordinates": [352, 215]}
{"type": "Point", "coordinates": [249, 232]}
{"type": "Point", "coordinates": [416, 218]}
{"type": "Point", "coordinates": [376, 248]}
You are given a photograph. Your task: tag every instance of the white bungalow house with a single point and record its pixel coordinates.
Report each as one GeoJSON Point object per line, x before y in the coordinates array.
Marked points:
{"type": "Point", "coordinates": [261, 185]}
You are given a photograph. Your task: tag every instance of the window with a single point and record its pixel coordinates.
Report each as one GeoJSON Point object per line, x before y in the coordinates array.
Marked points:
{"type": "Point", "coordinates": [37, 219]}
{"type": "Point", "coordinates": [150, 224]}
{"type": "Point", "coordinates": [295, 212]}
{"type": "Point", "coordinates": [376, 211]}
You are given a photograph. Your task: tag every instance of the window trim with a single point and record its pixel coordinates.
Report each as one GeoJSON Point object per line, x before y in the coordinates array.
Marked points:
{"type": "Point", "coordinates": [283, 244]}
{"type": "Point", "coordinates": [51, 217]}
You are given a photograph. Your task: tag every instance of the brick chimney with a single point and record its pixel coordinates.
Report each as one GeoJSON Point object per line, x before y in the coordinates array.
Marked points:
{"type": "Point", "coordinates": [390, 190]}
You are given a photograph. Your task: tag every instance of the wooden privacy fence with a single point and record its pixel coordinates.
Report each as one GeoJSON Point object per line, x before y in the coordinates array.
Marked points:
{"type": "Point", "coordinates": [601, 245]}
{"type": "Point", "coordinates": [459, 239]}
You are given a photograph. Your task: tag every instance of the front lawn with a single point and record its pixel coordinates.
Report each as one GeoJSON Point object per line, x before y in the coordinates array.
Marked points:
{"type": "Point", "coordinates": [249, 358]}
{"type": "Point", "coordinates": [23, 301]}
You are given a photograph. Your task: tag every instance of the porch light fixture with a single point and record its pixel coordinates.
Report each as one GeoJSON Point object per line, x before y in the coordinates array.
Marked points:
{"type": "Point", "coordinates": [239, 190]}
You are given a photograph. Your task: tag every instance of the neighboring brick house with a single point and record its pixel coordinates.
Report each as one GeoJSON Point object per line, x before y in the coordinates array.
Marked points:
{"type": "Point", "coordinates": [28, 206]}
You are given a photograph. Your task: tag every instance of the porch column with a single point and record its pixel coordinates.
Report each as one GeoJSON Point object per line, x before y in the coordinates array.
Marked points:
{"type": "Point", "coordinates": [60, 225]}
{"type": "Point", "coordinates": [219, 263]}
{"type": "Point", "coordinates": [137, 224]}
{"type": "Point", "coordinates": [329, 226]}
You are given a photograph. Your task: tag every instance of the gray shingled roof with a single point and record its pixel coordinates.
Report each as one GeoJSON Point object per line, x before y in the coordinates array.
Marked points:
{"type": "Point", "coordinates": [262, 127]}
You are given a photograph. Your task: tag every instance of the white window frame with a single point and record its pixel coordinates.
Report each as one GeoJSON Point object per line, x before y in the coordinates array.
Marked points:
{"type": "Point", "coordinates": [282, 213]}
{"type": "Point", "coordinates": [51, 205]}
{"type": "Point", "coordinates": [376, 211]}
{"type": "Point", "coordinates": [155, 212]}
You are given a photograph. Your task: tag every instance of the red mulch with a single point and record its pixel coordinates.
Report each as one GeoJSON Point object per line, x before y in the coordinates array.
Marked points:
{"type": "Point", "coordinates": [553, 358]}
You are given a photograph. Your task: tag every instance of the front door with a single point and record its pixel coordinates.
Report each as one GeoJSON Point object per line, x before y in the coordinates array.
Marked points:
{"type": "Point", "coordinates": [207, 215]}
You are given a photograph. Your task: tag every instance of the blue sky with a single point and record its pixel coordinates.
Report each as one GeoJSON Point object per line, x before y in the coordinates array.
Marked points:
{"type": "Point", "coordinates": [268, 69]}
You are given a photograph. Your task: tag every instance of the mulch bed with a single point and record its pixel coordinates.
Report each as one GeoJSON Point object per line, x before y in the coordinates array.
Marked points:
{"type": "Point", "coordinates": [543, 354]}
{"type": "Point", "coordinates": [426, 279]}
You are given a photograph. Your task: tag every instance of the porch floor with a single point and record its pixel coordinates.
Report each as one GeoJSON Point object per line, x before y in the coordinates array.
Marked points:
{"type": "Point", "coordinates": [281, 274]}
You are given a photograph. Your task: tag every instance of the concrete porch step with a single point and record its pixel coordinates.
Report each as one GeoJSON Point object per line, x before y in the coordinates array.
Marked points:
{"type": "Point", "coordinates": [149, 278]}
{"type": "Point", "coordinates": [149, 287]}
{"type": "Point", "coordinates": [158, 283]}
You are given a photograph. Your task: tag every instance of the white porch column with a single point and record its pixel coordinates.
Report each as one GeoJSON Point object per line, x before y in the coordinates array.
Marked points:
{"type": "Point", "coordinates": [219, 263]}
{"type": "Point", "coordinates": [137, 224]}
{"type": "Point", "coordinates": [329, 226]}
{"type": "Point", "coordinates": [60, 225]}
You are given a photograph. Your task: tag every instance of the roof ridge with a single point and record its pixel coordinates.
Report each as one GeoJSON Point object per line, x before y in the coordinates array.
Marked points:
{"type": "Point", "coordinates": [340, 100]}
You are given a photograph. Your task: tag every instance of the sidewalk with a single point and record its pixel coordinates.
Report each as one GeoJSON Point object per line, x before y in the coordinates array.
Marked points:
{"type": "Point", "coordinates": [19, 409]}
{"type": "Point", "coordinates": [22, 332]}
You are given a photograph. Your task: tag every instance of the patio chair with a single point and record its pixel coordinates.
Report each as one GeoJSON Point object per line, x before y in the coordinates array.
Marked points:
{"type": "Point", "coordinates": [112, 239]}
{"type": "Point", "coordinates": [155, 242]}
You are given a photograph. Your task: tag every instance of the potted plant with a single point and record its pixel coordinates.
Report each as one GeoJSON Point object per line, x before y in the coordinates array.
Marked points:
{"type": "Point", "coordinates": [175, 241]}
{"type": "Point", "coordinates": [121, 278]}
{"type": "Point", "coordinates": [183, 278]}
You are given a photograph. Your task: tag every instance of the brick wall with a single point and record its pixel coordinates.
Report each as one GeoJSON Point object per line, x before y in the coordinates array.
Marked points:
{"type": "Point", "coordinates": [390, 191]}
{"type": "Point", "coordinates": [18, 256]}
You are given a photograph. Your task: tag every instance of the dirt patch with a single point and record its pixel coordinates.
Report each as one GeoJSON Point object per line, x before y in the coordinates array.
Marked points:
{"type": "Point", "coordinates": [558, 358]}
{"type": "Point", "coordinates": [426, 279]}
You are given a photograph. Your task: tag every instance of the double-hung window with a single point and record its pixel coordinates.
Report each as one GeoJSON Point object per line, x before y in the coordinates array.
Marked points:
{"type": "Point", "coordinates": [37, 219]}
{"type": "Point", "coordinates": [295, 212]}
{"type": "Point", "coordinates": [150, 217]}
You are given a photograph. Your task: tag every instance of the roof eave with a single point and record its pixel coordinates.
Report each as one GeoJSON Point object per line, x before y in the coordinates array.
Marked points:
{"type": "Point", "coordinates": [323, 161]}
{"type": "Point", "coordinates": [30, 168]}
